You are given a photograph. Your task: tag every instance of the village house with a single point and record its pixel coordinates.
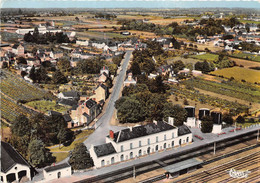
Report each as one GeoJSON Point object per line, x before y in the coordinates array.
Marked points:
{"type": "Point", "coordinates": [129, 80]}
{"type": "Point", "coordinates": [33, 62]}
{"type": "Point", "coordinates": [18, 49]}
{"type": "Point", "coordinates": [139, 141]}
{"type": "Point", "coordinates": [56, 55]}
{"type": "Point", "coordinates": [101, 93]}
{"type": "Point", "coordinates": [103, 77]}
{"type": "Point", "coordinates": [82, 42]}
{"type": "Point", "coordinates": [56, 172]}
{"type": "Point", "coordinates": [85, 112]}
{"type": "Point", "coordinates": [69, 95]}
{"type": "Point", "coordinates": [104, 69]}
{"type": "Point", "coordinates": [13, 166]}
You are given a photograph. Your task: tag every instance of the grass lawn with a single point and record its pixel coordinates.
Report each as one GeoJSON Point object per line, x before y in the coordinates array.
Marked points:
{"type": "Point", "coordinates": [239, 73]}
{"type": "Point", "coordinates": [208, 56]}
{"type": "Point", "coordinates": [60, 156]}
{"type": "Point", "coordinates": [45, 106]}
{"type": "Point", "coordinates": [79, 139]}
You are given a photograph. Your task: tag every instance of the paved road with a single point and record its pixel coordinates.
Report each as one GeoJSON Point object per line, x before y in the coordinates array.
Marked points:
{"type": "Point", "coordinates": [103, 124]}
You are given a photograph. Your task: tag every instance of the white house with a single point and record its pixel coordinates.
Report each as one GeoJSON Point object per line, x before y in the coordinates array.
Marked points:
{"type": "Point", "coordinates": [56, 172]}
{"type": "Point", "coordinates": [129, 80]}
{"type": "Point", "coordinates": [13, 166]}
{"type": "Point", "coordinates": [139, 141]}
{"type": "Point", "coordinates": [82, 42]}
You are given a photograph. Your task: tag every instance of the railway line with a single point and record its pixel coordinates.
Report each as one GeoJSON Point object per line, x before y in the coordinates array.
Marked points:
{"type": "Point", "coordinates": [142, 168]}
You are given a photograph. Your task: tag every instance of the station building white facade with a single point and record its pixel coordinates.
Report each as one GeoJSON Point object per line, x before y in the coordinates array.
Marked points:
{"type": "Point", "coordinates": [139, 141]}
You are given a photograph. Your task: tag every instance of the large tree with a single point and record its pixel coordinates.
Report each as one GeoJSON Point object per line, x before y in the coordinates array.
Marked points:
{"type": "Point", "coordinates": [21, 126]}
{"type": "Point", "coordinates": [59, 78]}
{"type": "Point", "coordinates": [64, 135]}
{"type": "Point", "coordinates": [38, 155]}
{"type": "Point", "coordinates": [64, 66]}
{"type": "Point", "coordinates": [80, 158]}
{"type": "Point", "coordinates": [227, 118]}
{"type": "Point", "coordinates": [206, 124]}
{"type": "Point", "coordinates": [176, 111]}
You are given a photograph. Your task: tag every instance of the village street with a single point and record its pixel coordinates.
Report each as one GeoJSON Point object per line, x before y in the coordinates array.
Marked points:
{"type": "Point", "coordinates": [103, 124]}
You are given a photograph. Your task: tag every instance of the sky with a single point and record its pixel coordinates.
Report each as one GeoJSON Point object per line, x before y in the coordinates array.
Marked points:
{"type": "Point", "coordinates": [130, 3]}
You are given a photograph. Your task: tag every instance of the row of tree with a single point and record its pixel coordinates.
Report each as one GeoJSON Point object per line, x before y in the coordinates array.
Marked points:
{"type": "Point", "coordinates": [30, 135]}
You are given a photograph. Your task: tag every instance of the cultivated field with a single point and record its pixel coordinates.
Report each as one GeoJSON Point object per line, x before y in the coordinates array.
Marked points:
{"type": "Point", "coordinates": [208, 56]}
{"type": "Point", "coordinates": [239, 74]}
{"type": "Point", "coordinates": [245, 63]}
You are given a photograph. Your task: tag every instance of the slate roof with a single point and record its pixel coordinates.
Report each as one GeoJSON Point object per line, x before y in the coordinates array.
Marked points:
{"type": "Point", "coordinates": [183, 130]}
{"type": "Point", "coordinates": [57, 167]}
{"type": "Point", "coordinates": [104, 149]}
{"type": "Point", "coordinates": [68, 102]}
{"type": "Point", "coordinates": [15, 46]}
{"type": "Point", "coordinates": [72, 94]}
{"type": "Point", "coordinates": [67, 117]}
{"type": "Point", "coordinates": [141, 131]}
{"type": "Point", "coordinates": [10, 157]}
{"type": "Point", "coordinates": [90, 103]}
{"type": "Point", "coordinates": [86, 115]}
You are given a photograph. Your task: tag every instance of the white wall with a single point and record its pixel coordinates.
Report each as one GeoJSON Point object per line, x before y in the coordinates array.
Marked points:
{"type": "Point", "coordinates": [16, 169]}
{"type": "Point", "coordinates": [54, 174]}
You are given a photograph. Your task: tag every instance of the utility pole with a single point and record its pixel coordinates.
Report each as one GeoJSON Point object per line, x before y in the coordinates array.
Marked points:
{"type": "Point", "coordinates": [235, 126]}
{"type": "Point", "coordinates": [257, 137]}
{"type": "Point", "coordinates": [214, 148]}
{"type": "Point", "coordinates": [134, 171]}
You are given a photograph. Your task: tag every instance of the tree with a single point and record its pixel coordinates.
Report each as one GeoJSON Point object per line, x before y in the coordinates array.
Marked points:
{"type": "Point", "coordinates": [185, 102]}
{"type": "Point", "coordinates": [59, 78]}
{"type": "Point", "coordinates": [32, 74]}
{"type": "Point", "coordinates": [4, 65]}
{"type": "Point", "coordinates": [38, 155]}
{"type": "Point", "coordinates": [135, 68]}
{"type": "Point", "coordinates": [64, 135]}
{"type": "Point", "coordinates": [80, 158]}
{"type": "Point", "coordinates": [21, 126]}
{"type": "Point", "coordinates": [21, 60]}
{"type": "Point", "coordinates": [64, 66]}
{"type": "Point", "coordinates": [206, 124]}
{"type": "Point", "coordinates": [240, 119]}
{"type": "Point", "coordinates": [176, 111]}
{"type": "Point", "coordinates": [41, 75]}
{"type": "Point", "coordinates": [129, 110]}
{"type": "Point", "coordinates": [227, 118]}
{"type": "Point", "coordinates": [77, 19]}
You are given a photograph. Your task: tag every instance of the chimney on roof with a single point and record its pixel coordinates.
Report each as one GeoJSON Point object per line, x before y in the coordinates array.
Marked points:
{"type": "Point", "coordinates": [171, 120]}
{"type": "Point", "coordinates": [131, 128]}
{"type": "Point", "coordinates": [94, 99]}
{"type": "Point", "coordinates": [111, 134]}
{"type": "Point", "coordinates": [130, 76]}
{"type": "Point", "coordinates": [155, 122]}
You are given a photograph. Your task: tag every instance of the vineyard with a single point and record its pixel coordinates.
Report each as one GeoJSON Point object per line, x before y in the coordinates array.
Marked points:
{"type": "Point", "coordinates": [213, 101]}
{"type": "Point", "coordinates": [10, 110]}
{"type": "Point", "coordinates": [19, 90]}
{"type": "Point", "coordinates": [230, 88]}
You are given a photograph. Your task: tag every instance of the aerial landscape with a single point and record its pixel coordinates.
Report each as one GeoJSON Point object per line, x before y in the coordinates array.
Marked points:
{"type": "Point", "coordinates": [130, 91]}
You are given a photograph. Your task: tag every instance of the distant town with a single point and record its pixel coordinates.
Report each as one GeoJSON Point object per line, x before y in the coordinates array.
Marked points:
{"type": "Point", "coordinates": [130, 95]}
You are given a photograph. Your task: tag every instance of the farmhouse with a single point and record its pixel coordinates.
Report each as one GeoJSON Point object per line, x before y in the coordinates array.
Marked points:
{"type": "Point", "coordinates": [129, 80]}
{"type": "Point", "coordinates": [139, 141]}
{"type": "Point", "coordinates": [13, 166]}
{"type": "Point", "coordinates": [18, 49]}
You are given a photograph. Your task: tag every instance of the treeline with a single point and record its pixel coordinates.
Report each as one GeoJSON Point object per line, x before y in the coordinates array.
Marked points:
{"type": "Point", "coordinates": [105, 16]}
{"type": "Point", "coordinates": [208, 27]}
{"type": "Point", "coordinates": [48, 37]}
{"type": "Point", "coordinates": [30, 135]}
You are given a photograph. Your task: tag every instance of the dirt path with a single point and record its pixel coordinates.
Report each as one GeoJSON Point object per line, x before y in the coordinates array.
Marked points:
{"type": "Point", "coordinates": [255, 106]}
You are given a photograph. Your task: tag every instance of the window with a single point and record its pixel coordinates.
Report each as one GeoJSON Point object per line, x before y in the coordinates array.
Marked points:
{"type": "Point", "coordinates": [157, 139]}
{"type": "Point", "coordinates": [148, 150]}
{"type": "Point", "coordinates": [156, 148]}
{"type": "Point", "coordinates": [131, 145]}
{"type": "Point", "coordinates": [180, 142]}
{"type": "Point", "coordinates": [187, 139]}
{"type": "Point", "coordinates": [131, 155]}
{"type": "Point", "coordinates": [122, 157]}
{"type": "Point", "coordinates": [140, 152]}
{"type": "Point", "coordinates": [102, 162]}
{"type": "Point", "coordinates": [112, 160]}
{"type": "Point", "coordinates": [122, 148]}
{"type": "Point", "coordinates": [164, 145]}
{"type": "Point", "coordinates": [164, 137]}
{"type": "Point", "coordinates": [140, 143]}
{"type": "Point", "coordinates": [172, 134]}
{"type": "Point", "coordinates": [148, 141]}
{"type": "Point", "coordinates": [172, 143]}
{"type": "Point", "coordinates": [59, 174]}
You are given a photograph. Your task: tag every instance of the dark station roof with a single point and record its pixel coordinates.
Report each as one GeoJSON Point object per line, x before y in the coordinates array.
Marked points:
{"type": "Point", "coordinates": [90, 103]}
{"type": "Point", "coordinates": [10, 157]}
{"type": "Point", "coordinates": [72, 94]}
{"type": "Point", "coordinates": [183, 130]}
{"type": "Point", "coordinates": [57, 167]}
{"type": "Point", "coordinates": [104, 149]}
{"type": "Point", "coordinates": [141, 131]}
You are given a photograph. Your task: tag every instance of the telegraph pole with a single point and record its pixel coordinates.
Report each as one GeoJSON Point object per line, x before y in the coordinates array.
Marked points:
{"type": "Point", "coordinates": [214, 148]}
{"type": "Point", "coordinates": [134, 171]}
{"type": "Point", "coordinates": [257, 137]}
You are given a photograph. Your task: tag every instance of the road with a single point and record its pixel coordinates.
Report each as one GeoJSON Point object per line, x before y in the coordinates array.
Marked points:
{"type": "Point", "coordinates": [103, 124]}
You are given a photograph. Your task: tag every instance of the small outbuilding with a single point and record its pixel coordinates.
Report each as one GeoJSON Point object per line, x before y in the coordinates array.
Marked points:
{"type": "Point", "coordinates": [58, 171]}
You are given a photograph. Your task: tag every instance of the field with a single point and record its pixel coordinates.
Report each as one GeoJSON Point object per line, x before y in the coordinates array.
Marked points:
{"type": "Point", "coordinates": [19, 90]}
{"type": "Point", "coordinates": [247, 56]}
{"type": "Point", "coordinates": [239, 74]}
{"type": "Point", "coordinates": [233, 89]}
{"type": "Point", "coordinates": [245, 63]}
{"type": "Point", "coordinates": [45, 106]}
{"type": "Point", "coordinates": [100, 35]}
{"type": "Point", "coordinates": [184, 60]}
{"type": "Point", "coordinates": [208, 56]}
{"type": "Point", "coordinates": [10, 110]}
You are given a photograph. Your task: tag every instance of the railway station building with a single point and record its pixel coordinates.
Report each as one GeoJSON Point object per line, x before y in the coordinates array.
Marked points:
{"type": "Point", "coordinates": [138, 141]}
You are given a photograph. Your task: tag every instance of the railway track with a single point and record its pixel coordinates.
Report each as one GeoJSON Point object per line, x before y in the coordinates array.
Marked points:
{"type": "Point", "coordinates": [142, 168]}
